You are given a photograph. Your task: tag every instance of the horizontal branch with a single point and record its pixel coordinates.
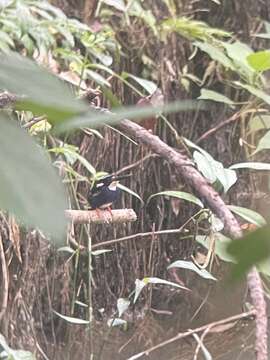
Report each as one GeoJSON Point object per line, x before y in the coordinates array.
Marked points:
{"type": "Point", "coordinates": [101, 216]}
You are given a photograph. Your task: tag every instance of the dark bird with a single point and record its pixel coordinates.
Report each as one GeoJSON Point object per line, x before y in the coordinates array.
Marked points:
{"type": "Point", "coordinates": [105, 192]}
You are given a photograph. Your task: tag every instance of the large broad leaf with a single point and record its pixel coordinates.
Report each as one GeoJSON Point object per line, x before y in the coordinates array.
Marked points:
{"type": "Point", "coordinates": [45, 94]}
{"type": "Point", "coordinates": [180, 195]}
{"type": "Point", "coordinates": [260, 61]}
{"type": "Point", "coordinates": [98, 118]}
{"type": "Point", "coordinates": [215, 96]}
{"type": "Point", "coordinates": [29, 186]}
{"type": "Point", "coordinates": [251, 165]}
{"type": "Point", "coordinates": [213, 170]}
{"type": "Point", "coordinates": [248, 214]}
{"type": "Point", "coordinates": [250, 250]}
{"type": "Point", "coordinates": [191, 266]}
{"type": "Point", "coordinates": [215, 54]}
{"type": "Point", "coordinates": [238, 52]}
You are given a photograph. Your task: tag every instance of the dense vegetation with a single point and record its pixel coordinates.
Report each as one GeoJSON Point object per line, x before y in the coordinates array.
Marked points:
{"type": "Point", "coordinates": [58, 77]}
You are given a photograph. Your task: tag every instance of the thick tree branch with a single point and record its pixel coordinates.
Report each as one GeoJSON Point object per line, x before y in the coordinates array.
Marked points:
{"type": "Point", "coordinates": [101, 216]}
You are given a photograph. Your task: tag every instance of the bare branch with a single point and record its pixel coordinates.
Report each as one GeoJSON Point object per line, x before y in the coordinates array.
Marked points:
{"type": "Point", "coordinates": [101, 216]}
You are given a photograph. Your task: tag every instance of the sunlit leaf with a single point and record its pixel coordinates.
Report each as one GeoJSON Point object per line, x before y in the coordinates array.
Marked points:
{"type": "Point", "coordinates": [215, 96]}
{"type": "Point", "coordinates": [29, 186]}
{"type": "Point", "coordinates": [260, 61]}
{"type": "Point", "coordinates": [250, 250]}
{"type": "Point", "coordinates": [251, 165]}
{"type": "Point", "coordinates": [122, 306]}
{"type": "Point", "coordinates": [191, 266]}
{"type": "Point", "coordinates": [248, 214]}
{"type": "Point", "coordinates": [180, 195]}
{"type": "Point", "coordinates": [71, 319]}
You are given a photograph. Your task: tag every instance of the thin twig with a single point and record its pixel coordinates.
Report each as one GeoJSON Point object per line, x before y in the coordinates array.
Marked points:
{"type": "Point", "coordinates": [139, 162]}
{"type": "Point", "coordinates": [218, 127]}
{"type": "Point", "coordinates": [193, 331]}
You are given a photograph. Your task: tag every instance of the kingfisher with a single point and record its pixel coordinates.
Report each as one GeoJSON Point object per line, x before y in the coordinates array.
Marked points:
{"type": "Point", "coordinates": [105, 192]}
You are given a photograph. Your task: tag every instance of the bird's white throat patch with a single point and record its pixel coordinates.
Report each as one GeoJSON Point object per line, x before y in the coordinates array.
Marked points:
{"type": "Point", "coordinates": [113, 185]}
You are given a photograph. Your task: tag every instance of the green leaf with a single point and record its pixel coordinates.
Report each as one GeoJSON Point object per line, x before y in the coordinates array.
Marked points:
{"type": "Point", "coordinates": [260, 122]}
{"type": "Point", "coordinates": [148, 85]}
{"type": "Point", "coordinates": [48, 95]}
{"type": "Point", "coordinates": [221, 245]}
{"type": "Point", "coordinates": [29, 186]}
{"type": "Point", "coordinates": [70, 152]}
{"type": "Point", "coordinates": [264, 143]}
{"type": "Point", "coordinates": [248, 214]}
{"type": "Point", "coordinates": [129, 191]}
{"type": "Point", "coordinates": [260, 61]}
{"type": "Point", "coordinates": [212, 170]}
{"type": "Point", "coordinates": [97, 118]}
{"type": "Point", "coordinates": [251, 165]}
{"type": "Point", "coordinates": [215, 96]}
{"type": "Point", "coordinates": [71, 319]}
{"type": "Point", "coordinates": [191, 266]}
{"type": "Point", "coordinates": [180, 195]}
{"type": "Point", "coordinates": [250, 250]}
{"type": "Point", "coordinates": [239, 52]}
{"type": "Point", "coordinates": [215, 54]}
{"type": "Point", "coordinates": [254, 91]}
